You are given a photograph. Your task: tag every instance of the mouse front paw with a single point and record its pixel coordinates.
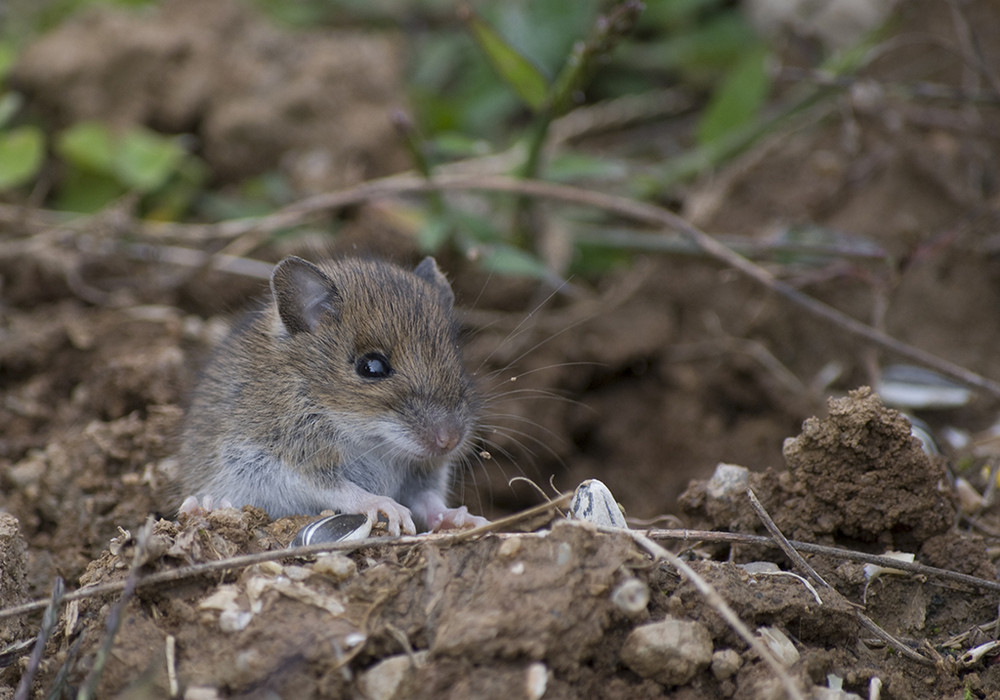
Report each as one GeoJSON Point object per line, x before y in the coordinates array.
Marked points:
{"type": "Point", "coordinates": [455, 519]}
{"type": "Point", "coordinates": [396, 516]}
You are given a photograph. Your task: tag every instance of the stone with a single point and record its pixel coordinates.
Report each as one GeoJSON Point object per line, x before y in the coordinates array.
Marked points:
{"type": "Point", "coordinates": [671, 651]}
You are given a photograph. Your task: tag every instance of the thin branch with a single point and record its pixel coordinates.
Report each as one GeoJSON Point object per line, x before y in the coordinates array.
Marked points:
{"type": "Point", "coordinates": [693, 536]}
{"type": "Point", "coordinates": [804, 566]}
{"type": "Point", "coordinates": [784, 544]}
{"type": "Point", "coordinates": [49, 620]}
{"type": "Point", "coordinates": [657, 215]}
{"type": "Point", "coordinates": [302, 211]}
{"type": "Point", "coordinates": [117, 615]}
{"type": "Point", "coordinates": [917, 90]}
{"type": "Point", "coordinates": [243, 561]}
{"type": "Point", "coordinates": [716, 601]}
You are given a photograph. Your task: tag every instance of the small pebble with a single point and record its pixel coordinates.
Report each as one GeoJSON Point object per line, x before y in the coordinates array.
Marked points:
{"type": "Point", "coordinates": [725, 663]}
{"type": "Point", "coordinates": [271, 568]}
{"type": "Point", "coordinates": [631, 596]}
{"type": "Point", "coordinates": [336, 566]}
{"type": "Point", "coordinates": [671, 651]}
{"type": "Point", "coordinates": [779, 644]}
{"type": "Point", "coordinates": [509, 547]}
{"type": "Point", "coordinates": [728, 480]}
{"type": "Point", "coordinates": [537, 680]}
{"type": "Point", "coordinates": [382, 680]}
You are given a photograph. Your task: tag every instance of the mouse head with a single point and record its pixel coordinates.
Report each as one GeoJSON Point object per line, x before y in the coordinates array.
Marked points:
{"type": "Point", "coordinates": [376, 350]}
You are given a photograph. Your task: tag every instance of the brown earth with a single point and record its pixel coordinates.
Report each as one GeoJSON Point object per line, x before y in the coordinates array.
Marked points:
{"type": "Point", "coordinates": [644, 379]}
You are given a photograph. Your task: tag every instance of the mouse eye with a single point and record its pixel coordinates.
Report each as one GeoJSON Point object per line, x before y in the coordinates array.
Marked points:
{"type": "Point", "coordinates": [373, 365]}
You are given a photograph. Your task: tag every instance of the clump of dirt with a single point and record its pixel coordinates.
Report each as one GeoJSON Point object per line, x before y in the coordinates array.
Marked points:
{"type": "Point", "coordinates": [863, 475]}
{"type": "Point", "coordinates": [563, 612]}
{"type": "Point", "coordinates": [13, 578]}
{"type": "Point", "coordinates": [328, 619]}
{"type": "Point", "coordinates": [858, 475]}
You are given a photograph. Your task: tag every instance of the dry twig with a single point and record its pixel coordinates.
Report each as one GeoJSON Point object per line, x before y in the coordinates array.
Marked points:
{"type": "Point", "coordinates": [715, 600]}
{"type": "Point", "coordinates": [693, 536]}
{"type": "Point", "coordinates": [117, 614]}
{"type": "Point", "coordinates": [243, 561]}
{"type": "Point", "coordinates": [304, 210]}
{"type": "Point", "coordinates": [804, 566]}
{"type": "Point", "coordinates": [49, 620]}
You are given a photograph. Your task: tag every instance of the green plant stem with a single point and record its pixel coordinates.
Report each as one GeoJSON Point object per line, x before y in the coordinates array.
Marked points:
{"type": "Point", "coordinates": [608, 30]}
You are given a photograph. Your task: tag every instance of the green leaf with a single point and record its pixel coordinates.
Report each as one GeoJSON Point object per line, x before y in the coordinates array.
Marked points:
{"type": "Point", "coordinates": [10, 103]}
{"type": "Point", "coordinates": [21, 153]}
{"type": "Point", "coordinates": [507, 260]}
{"type": "Point", "coordinates": [8, 53]}
{"type": "Point", "coordinates": [433, 233]}
{"type": "Point", "coordinates": [571, 166]}
{"type": "Point", "coordinates": [87, 145]}
{"type": "Point", "coordinates": [700, 51]}
{"type": "Point", "coordinates": [454, 145]}
{"type": "Point", "coordinates": [86, 191]}
{"type": "Point", "coordinates": [738, 99]}
{"type": "Point", "coordinates": [543, 31]}
{"type": "Point", "coordinates": [174, 200]}
{"type": "Point", "coordinates": [516, 70]}
{"type": "Point", "coordinates": [145, 160]}
{"type": "Point", "coordinates": [475, 228]}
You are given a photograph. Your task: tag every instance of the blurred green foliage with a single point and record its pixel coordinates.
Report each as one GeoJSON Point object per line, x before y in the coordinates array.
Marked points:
{"type": "Point", "coordinates": [21, 151]}
{"type": "Point", "coordinates": [482, 77]}
{"type": "Point", "coordinates": [22, 19]}
{"type": "Point", "coordinates": [102, 166]}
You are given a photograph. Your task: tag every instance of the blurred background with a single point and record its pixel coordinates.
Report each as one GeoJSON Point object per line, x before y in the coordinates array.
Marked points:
{"type": "Point", "coordinates": [156, 157]}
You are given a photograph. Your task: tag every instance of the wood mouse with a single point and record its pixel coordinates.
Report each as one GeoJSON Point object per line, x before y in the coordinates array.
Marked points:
{"type": "Point", "coordinates": [346, 392]}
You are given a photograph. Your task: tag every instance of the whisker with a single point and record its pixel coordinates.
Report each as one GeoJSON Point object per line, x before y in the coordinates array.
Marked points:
{"type": "Point", "coordinates": [495, 448]}
{"type": "Point", "coordinates": [558, 365]}
{"type": "Point", "coordinates": [523, 419]}
{"type": "Point", "coordinates": [520, 328]}
{"type": "Point", "coordinates": [548, 394]}
{"type": "Point", "coordinates": [547, 339]}
{"type": "Point", "coordinates": [509, 432]}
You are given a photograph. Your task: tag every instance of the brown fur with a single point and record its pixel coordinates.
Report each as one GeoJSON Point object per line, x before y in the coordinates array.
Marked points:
{"type": "Point", "coordinates": [282, 419]}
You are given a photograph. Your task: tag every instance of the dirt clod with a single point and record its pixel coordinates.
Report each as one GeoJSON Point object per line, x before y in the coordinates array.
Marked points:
{"type": "Point", "coordinates": [864, 476]}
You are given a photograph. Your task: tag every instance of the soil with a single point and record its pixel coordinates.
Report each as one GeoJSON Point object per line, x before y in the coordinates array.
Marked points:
{"type": "Point", "coordinates": [645, 379]}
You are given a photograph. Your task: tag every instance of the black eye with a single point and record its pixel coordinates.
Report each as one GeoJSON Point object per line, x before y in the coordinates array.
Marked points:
{"type": "Point", "coordinates": [373, 365]}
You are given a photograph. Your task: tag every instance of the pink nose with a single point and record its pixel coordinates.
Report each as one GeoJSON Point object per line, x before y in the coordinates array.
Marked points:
{"type": "Point", "coordinates": [443, 436]}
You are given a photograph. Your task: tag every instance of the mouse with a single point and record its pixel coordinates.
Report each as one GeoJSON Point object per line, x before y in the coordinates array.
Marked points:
{"type": "Point", "coordinates": [345, 390]}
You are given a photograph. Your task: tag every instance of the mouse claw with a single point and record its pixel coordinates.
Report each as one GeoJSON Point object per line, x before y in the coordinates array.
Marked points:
{"type": "Point", "coordinates": [192, 506]}
{"type": "Point", "coordinates": [395, 523]}
{"type": "Point", "coordinates": [189, 506]}
{"type": "Point", "coordinates": [396, 517]}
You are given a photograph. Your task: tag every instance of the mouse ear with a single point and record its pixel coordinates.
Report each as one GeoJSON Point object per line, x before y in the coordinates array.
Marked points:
{"type": "Point", "coordinates": [303, 293]}
{"type": "Point", "coordinates": [429, 271]}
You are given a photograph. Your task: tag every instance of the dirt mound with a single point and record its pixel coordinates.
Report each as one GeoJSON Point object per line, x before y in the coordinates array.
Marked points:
{"type": "Point", "coordinates": [562, 612]}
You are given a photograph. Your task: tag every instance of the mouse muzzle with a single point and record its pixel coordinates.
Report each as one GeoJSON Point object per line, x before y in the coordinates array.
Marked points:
{"type": "Point", "coordinates": [442, 435]}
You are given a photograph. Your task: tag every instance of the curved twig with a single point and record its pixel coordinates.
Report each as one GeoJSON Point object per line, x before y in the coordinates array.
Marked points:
{"type": "Point", "coordinates": [719, 605]}
{"type": "Point", "coordinates": [805, 567]}
{"type": "Point", "coordinates": [303, 210]}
